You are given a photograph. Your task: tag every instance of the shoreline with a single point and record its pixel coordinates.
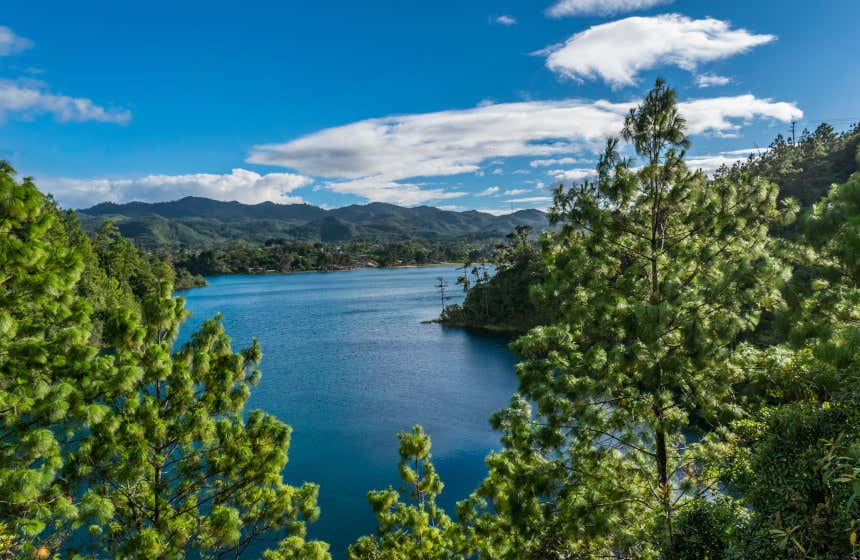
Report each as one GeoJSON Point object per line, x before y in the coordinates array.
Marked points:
{"type": "Point", "coordinates": [350, 269]}
{"type": "Point", "coordinates": [498, 329]}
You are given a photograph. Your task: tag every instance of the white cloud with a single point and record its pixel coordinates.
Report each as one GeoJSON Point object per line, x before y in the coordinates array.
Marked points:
{"type": "Point", "coordinates": [719, 115]}
{"type": "Point", "coordinates": [515, 192]}
{"type": "Point", "coordinates": [709, 80]}
{"type": "Point", "coordinates": [240, 184]}
{"type": "Point", "coordinates": [617, 51]}
{"type": "Point", "coordinates": [380, 159]}
{"type": "Point", "coordinates": [29, 99]}
{"type": "Point", "coordinates": [11, 43]}
{"type": "Point", "coordinates": [489, 191]}
{"type": "Point", "coordinates": [556, 161]}
{"type": "Point", "coordinates": [370, 158]}
{"type": "Point", "coordinates": [506, 20]}
{"type": "Point", "coordinates": [563, 8]}
{"type": "Point", "coordinates": [498, 171]}
{"type": "Point", "coordinates": [571, 175]}
{"type": "Point", "coordinates": [521, 172]}
{"type": "Point", "coordinates": [499, 211]}
{"type": "Point", "coordinates": [745, 152]}
{"type": "Point", "coordinates": [405, 194]}
{"type": "Point", "coordinates": [710, 163]}
{"type": "Point", "coordinates": [532, 200]}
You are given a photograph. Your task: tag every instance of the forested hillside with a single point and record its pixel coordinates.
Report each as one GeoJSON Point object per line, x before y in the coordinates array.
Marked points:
{"type": "Point", "coordinates": [689, 384]}
{"type": "Point", "coordinates": [200, 223]}
{"type": "Point", "coordinates": [805, 170]}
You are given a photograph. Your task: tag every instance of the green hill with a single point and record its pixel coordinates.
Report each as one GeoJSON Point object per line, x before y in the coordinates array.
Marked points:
{"type": "Point", "coordinates": [195, 222]}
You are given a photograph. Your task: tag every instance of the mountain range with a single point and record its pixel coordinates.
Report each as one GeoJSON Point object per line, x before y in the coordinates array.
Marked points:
{"type": "Point", "coordinates": [197, 222]}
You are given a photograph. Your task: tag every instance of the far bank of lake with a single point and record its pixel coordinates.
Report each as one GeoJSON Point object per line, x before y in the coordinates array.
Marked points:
{"type": "Point", "coordinates": [348, 363]}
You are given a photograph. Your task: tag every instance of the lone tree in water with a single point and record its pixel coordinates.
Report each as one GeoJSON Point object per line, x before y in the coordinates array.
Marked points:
{"type": "Point", "coordinates": [655, 273]}
{"type": "Point", "coordinates": [442, 286]}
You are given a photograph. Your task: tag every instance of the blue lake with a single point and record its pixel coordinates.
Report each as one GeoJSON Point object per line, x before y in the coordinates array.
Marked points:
{"type": "Point", "coordinates": [348, 363]}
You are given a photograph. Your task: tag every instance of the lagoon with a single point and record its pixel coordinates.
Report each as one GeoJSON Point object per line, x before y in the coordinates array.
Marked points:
{"type": "Point", "coordinates": [347, 362]}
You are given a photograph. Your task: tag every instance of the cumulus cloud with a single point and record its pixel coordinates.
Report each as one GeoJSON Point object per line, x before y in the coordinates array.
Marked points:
{"type": "Point", "coordinates": [499, 211]}
{"type": "Point", "coordinates": [532, 200]}
{"type": "Point", "coordinates": [31, 98]}
{"type": "Point", "coordinates": [406, 194]}
{"type": "Point", "coordinates": [240, 185]}
{"type": "Point", "coordinates": [382, 159]}
{"type": "Point", "coordinates": [554, 161]}
{"type": "Point", "coordinates": [618, 51]}
{"type": "Point", "coordinates": [12, 44]}
{"type": "Point", "coordinates": [506, 20]}
{"type": "Point", "coordinates": [371, 158]}
{"type": "Point", "coordinates": [710, 163]}
{"type": "Point", "coordinates": [720, 115]}
{"type": "Point", "coordinates": [489, 191]}
{"type": "Point", "coordinates": [745, 152]}
{"type": "Point", "coordinates": [709, 80]}
{"type": "Point", "coordinates": [564, 8]}
{"type": "Point", "coordinates": [515, 192]}
{"type": "Point", "coordinates": [571, 175]}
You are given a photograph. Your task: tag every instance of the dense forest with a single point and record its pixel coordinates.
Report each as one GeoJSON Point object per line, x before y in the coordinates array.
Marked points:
{"type": "Point", "coordinates": [303, 256]}
{"type": "Point", "coordinates": [201, 223]}
{"type": "Point", "coordinates": [688, 383]}
{"type": "Point", "coordinates": [500, 301]}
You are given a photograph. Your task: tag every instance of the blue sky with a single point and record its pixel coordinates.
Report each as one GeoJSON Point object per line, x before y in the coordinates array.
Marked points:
{"type": "Point", "coordinates": [458, 104]}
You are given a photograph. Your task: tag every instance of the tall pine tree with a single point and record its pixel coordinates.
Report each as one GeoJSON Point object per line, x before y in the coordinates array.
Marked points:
{"type": "Point", "coordinates": [655, 273]}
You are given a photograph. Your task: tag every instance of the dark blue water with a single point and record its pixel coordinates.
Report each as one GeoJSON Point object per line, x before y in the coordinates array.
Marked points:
{"type": "Point", "coordinates": [348, 363]}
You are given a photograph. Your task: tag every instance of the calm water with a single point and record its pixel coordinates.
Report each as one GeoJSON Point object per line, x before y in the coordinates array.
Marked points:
{"type": "Point", "coordinates": [347, 363]}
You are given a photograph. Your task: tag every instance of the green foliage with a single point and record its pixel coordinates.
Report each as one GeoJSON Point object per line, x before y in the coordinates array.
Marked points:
{"type": "Point", "coordinates": [501, 301]}
{"type": "Point", "coordinates": [44, 355]}
{"type": "Point", "coordinates": [654, 275]}
{"type": "Point", "coordinates": [418, 529]}
{"type": "Point", "coordinates": [710, 530]}
{"type": "Point", "coordinates": [185, 281]}
{"type": "Point", "coordinates": [301, 256]}
{"type": "Point", "coordinates": [804, 169]}
{"type": "Point", "coordinates": [794, 461]}
{"type": "Point", "coordinates": [794, 482]}
{"type": "Point", "coordinates": [834, 226]}
{"type": "Point", "coordinates": [105, 425]}
{"type": "Point", "coordinates": [173, 459]}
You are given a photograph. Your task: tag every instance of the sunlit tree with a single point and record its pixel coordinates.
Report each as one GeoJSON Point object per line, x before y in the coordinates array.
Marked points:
{"type": "Point", "coordinates": [176, 464]}
{"type": "Point", "coordinates": [655, 273]}
{"type": "Point", "coordinates": [417, 529]}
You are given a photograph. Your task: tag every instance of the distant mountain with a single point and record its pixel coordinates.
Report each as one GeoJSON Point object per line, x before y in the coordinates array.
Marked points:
{"type": "Point", "coordinates": [197, 222]}
{"type": "Point", "coordinates": [199, 207]}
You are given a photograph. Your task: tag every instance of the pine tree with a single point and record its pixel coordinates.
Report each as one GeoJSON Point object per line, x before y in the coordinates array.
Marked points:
{"type": "Point", "coordinates": [420, 529]}
{"type": "Point", "coordinates": [45, 364]}
{"type": "Point", "coordinates": [175, 465]}
{"type": "Point", "coordinates": [655, 274]}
